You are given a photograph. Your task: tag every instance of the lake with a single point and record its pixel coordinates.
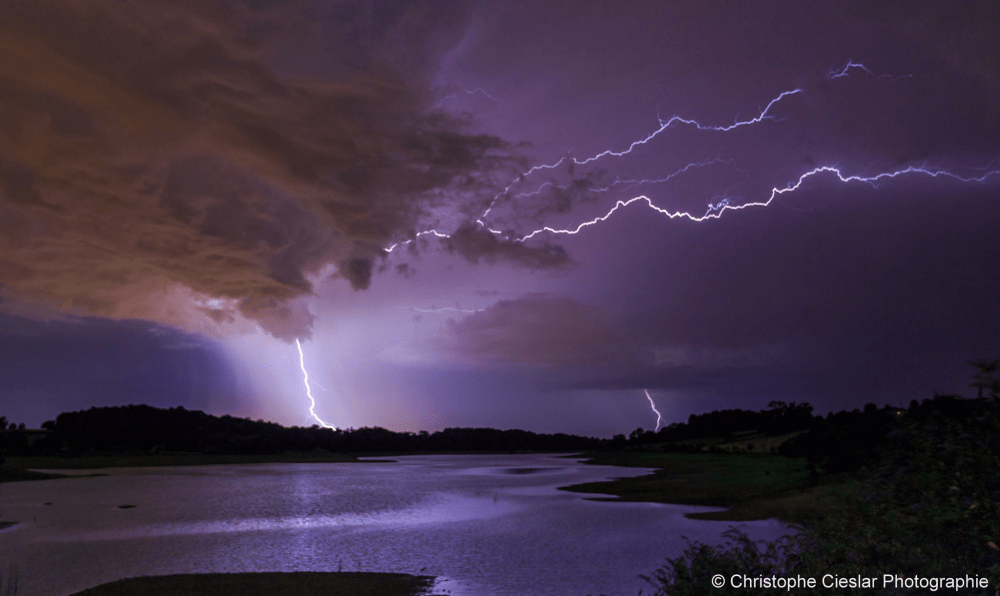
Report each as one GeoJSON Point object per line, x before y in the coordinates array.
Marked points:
{"type": "Point", "coordinates": [490, 525]}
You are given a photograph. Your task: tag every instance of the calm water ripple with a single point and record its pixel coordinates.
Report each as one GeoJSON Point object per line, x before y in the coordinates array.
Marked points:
{"type": "Point", "coordinates": [490, 525]}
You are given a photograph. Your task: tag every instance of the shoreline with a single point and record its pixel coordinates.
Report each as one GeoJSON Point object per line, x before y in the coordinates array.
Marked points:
{"type": "Point", "coordinates": [751, 487]}
{"type": "Point", "coordinates": [31, 464]}
{"type": "Point", "coordinates": [265, 584]}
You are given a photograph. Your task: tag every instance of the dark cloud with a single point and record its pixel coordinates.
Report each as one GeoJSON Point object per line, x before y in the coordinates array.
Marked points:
{"type": "Point", "coordinates": [876, 295]}
{"type": "Point", "coordinates": [475, 243]}
{"type": "Point", "coordinates": [156, 155]}
{"type": "Point", "coordinates": [534, 330]}
{"type": "Point", "coordinates": [76, 363]}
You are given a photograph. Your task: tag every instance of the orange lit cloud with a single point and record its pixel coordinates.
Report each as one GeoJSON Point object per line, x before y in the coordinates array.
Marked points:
{"type": "Point", "coordinates": [169, 161]}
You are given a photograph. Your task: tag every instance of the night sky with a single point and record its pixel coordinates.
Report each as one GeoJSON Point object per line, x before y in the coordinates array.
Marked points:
{"type": "Point", "coordinates": [186, 188]}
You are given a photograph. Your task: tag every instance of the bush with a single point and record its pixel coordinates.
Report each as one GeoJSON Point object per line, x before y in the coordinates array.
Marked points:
{"type": "Point", "coordinates": [931, 508]}
{"type": "Point", "coordinates": [692, 572]}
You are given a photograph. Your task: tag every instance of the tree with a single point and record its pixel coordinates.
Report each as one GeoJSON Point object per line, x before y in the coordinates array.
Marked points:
{"type": "Point", "coordinates": [986, 379]}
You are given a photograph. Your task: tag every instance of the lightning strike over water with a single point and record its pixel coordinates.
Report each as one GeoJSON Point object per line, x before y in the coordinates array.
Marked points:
{"type": "Point", "coordinates": [652, 405]}
{"type": "Point", "coordinates": [305, 380]}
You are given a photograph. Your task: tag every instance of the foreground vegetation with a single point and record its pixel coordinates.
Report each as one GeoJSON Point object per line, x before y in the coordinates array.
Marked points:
{"type": "Point", "coordinates": [758, 465]}
{"type": "Point", "coordinates": [926, 504]}
{"type": "Point", "coordinates": [267, 584]}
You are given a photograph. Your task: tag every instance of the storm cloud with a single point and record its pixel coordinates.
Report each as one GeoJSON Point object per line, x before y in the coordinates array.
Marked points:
{"type": "Point", "coordinates": [197, 163]}
{"type": "Point", "coordinates": [533, 330]}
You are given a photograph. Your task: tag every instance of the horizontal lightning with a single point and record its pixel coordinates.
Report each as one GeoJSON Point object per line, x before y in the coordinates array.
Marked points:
{"type": "Point", "coordinates": [443, 310]}
{"type": "Point", "coordinates": [664, 125]}
{"type": "Point", "coordinates": [478, 90]}
{"type": "Point", "coordinates": [845, 72]}
{"type": "Point", "coordinates": [715, 211]}
{"type": "Point", "coordinates": [415, 236]}
{"type": "Point", "coordinates": [719, 204]}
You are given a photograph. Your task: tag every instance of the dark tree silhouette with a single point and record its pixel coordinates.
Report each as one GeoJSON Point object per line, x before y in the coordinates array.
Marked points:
{"type": "Point", "coordinates": [987, 377]}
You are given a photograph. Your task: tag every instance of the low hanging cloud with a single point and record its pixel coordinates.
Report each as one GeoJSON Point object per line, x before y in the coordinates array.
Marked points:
{"type": "Point", "coordinates": [189, 163]}
{"type": "Point", "coordinates": [533, 330]}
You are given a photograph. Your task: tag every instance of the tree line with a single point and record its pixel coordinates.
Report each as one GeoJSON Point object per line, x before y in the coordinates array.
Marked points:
{"type": "Point", "coordinates": [142, 428]}
{"type": "Point", "coordinates": [839, 442]}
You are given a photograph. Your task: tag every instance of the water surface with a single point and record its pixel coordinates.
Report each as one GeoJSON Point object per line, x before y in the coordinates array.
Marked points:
{"type": "Point", "coordinates": [491, 525]}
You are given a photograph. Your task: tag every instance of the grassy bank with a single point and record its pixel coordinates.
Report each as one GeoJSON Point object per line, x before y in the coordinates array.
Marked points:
{"type": "Point", "coordinates": [752, 485]}
{"type": "Point", "coordinates": [267, 584]}
{"type": "Point", "coordinates": [16, 474]}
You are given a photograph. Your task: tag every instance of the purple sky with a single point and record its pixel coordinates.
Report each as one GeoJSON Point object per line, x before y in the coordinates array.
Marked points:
{"type": "Point", "coordinates": [188, 187]}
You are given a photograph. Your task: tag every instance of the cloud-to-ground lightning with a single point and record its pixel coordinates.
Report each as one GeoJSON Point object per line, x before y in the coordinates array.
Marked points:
{"type": "Point", "coordinates": [724, 199]}
{"type": "Point", "coordinates": [655, 411]}
{"type": "Point", "coordinates": [305, 381]}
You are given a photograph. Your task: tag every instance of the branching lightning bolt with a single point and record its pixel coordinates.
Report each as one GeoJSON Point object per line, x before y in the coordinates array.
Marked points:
{"type": "Point", "coordinates": [305, 381]}
{"type": "Point", "coordinates": [719, 204]}
{"type": "Point", "coordinates": [716, 207]}
{"type": "Point", "coordinates": [716, 210]}
{"type": "Point", "coordinates": [663, 126]}
{"type": "Point", "coordinates": [845, 72]}
{"type": "Point", "coordinates": [444, 310]}
{"type": "Point", "coordinates": [478, 90]}
{"type": "Point", "coordinates": [652, 405]}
